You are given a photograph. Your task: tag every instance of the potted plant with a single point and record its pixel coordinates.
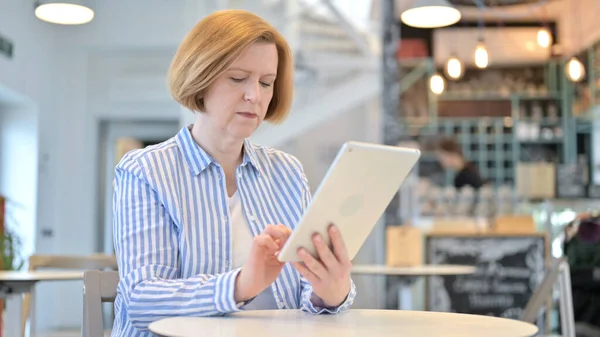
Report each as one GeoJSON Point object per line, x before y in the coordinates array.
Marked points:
{"type": "Point", "coordinates": [10, 251]}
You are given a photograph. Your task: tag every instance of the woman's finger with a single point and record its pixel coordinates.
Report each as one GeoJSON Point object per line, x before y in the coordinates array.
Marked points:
{"type": "Point", "coordinates": [279, 232]}
{"type": "Point", "coordinates": [266, 241]}
{"type": "Point", "coordinates": [339, 247]}
{"type": "Point", "coordinates": [305, 272]}
{"type": "Point", "coordinates": [325, 254]}
{"type": "Point", "coordinates": [312, 264]}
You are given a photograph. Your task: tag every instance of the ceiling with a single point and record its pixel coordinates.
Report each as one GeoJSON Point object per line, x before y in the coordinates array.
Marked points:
{"type": "Point", "coordinates": [494, 3]}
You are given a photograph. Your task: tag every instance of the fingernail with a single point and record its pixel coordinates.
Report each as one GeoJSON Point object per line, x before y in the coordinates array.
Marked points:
{"type": "Point", "coordinates": [333, 228]}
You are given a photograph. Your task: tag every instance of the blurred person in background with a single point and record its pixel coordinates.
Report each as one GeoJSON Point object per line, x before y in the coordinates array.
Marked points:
{"type": "Point", "coordinates": [449, 153]}
{"type": "Point", "coordinates": [200, 218]}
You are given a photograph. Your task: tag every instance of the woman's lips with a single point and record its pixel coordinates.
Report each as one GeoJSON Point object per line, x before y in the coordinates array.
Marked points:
{"type": "Point", "coordinates": [247, 115]}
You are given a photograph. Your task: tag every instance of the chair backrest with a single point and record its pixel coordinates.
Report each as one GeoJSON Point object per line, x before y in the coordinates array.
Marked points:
{"type": "Point", "coordinates": [557, 275]}
{"type": "Point", "coordinates": [97, 261]}
{"type": "Point", "coordinates": [98, 287]}
{"type": "Point", "coordinates": [93, 261]}
{"type": "Point", "coordinates": [542, 293]}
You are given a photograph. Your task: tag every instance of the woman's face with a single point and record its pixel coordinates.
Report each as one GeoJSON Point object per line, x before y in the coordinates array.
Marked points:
{"type": "Point", "coordinates": [447, 159]}
{"type": "Point", "coordinates": [236, 102]}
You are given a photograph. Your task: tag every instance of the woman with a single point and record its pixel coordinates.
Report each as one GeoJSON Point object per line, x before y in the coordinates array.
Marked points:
{"type": "Point", "coordinates": [451, 157]}
{"type": "Point", "coordinates": [199, 219]}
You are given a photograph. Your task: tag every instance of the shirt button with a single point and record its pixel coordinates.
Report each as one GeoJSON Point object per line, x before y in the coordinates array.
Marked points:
{"type": "Point", "coordinates": [219, 176]}
{"type": "Point", "coordinates": [252, 218]}
{"type": "Point", "coordinates": [225, 219]}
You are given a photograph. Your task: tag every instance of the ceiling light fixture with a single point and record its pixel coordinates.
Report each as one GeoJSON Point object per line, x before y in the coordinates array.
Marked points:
{"type": "Point", "coordinates": [482, 58]}
{"type": "Point", "coordinates": [64, 12]}
{"type": "Point", "coordinates": [454, 68]}
{"type": "Point", "coordinates": [575, 70]}
{"type": "Point", "coordinates": [430, 14]}
{"type": "Point", "coordinates": [544, 38]}
{"type": "Point", "coordinates": [437, 84]}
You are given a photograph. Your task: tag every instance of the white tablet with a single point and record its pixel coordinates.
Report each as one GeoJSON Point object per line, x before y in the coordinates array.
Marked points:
{"type": "Point", "coordinates": [358, 187]}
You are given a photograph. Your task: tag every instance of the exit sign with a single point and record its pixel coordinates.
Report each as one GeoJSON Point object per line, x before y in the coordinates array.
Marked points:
{"type": "Point", "coordinates": [6, 47]}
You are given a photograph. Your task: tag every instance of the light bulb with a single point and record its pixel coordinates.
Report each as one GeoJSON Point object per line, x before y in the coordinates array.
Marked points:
{"type": "Point", "coordinates": [64, 13]}
{"type": "Point", "coordinates": [454, 68]}
{"type": "Point", "coordinates": [544, 39]}
{"type": "Point", "coordinates": [437, 84]}
{"type": "Point", "coordinates": [575, 70]}
{"type": "Point", "coordinates": [430, 14]}
{"type": "Point", "coordinates": [481, 56]}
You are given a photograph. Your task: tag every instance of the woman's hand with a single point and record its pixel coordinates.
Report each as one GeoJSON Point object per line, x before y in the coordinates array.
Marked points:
{"type": "Point", "coordinates": [329, 275]}
{"type": "Point", "coordinates": [262, 267]}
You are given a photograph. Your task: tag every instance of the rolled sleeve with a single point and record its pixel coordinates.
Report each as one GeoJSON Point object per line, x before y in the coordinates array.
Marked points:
{"type": "Point", "coordinates": [308, 305]}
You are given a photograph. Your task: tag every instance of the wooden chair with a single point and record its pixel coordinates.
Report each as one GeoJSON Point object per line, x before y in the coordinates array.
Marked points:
{"type": "Point", "coordinates": [37, 262]}
{"type": "Point", "coordinates": [557, 274]}
{"type": "Point", "coordinates": [98, 287]}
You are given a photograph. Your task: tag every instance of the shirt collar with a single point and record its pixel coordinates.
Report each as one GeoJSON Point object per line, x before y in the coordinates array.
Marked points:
{"type": "Point", "coordinates": [198, 159]}
{"type": "Point", "coordinates": [250, 155]}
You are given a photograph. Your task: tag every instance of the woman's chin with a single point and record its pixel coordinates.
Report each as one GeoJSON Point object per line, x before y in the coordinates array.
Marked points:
{"type": "Point", "coordinates": [243, 132]}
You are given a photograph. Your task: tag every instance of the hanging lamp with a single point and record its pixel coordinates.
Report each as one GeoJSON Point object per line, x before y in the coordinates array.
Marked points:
{"type": "Point", "coordinates": [64, 12]}
{"type": "Point", "coordinates": [430, 14]}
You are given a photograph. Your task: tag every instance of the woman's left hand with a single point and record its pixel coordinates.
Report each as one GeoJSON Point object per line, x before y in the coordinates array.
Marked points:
{"type": "Point", "coordinates": [329, 273]}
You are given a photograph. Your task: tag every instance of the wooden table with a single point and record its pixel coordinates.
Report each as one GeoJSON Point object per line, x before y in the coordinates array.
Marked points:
{"type": "Point", "coordinates": [14, 283]}
{"type": "Point", "coordinates": [371, 323]}
{"type": "Point", "coordinates": [408, 276]}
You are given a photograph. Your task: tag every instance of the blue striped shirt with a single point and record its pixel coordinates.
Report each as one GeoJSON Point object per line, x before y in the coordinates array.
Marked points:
{"type": "Point", "coordinates": [173, 236]}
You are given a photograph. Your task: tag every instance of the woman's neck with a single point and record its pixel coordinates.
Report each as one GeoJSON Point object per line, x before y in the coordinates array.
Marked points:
{"type": "Point", "coordinates": [225, 150]}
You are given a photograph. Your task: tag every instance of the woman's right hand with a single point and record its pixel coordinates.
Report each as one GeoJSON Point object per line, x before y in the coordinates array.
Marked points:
{"type": "Point", "coordinates": [262, 267]}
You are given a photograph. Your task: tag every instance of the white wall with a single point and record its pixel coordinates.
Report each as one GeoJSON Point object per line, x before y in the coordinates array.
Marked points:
{"type": "Point", "coordinates": [32, 74]}
{"type": "Point", "coordinates": [18, 170]}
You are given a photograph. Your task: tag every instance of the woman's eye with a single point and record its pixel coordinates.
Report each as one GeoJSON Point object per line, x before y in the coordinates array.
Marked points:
{"type": "Point", "coordinates": [237, 80]}
{"type": "Point", "coordinates": [265, 85]}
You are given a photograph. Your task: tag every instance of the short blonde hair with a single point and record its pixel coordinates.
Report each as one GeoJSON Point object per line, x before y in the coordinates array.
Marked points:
{"type": "Point", "coordinates": [214, 44]}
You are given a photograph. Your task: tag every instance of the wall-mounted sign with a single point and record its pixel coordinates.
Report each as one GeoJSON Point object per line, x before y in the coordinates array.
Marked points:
{"type": "Point", "coordinates": [6, 47]}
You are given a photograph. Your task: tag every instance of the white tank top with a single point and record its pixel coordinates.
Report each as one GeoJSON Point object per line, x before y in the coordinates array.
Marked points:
{"type": "Point", "coordinates": [241, 239]}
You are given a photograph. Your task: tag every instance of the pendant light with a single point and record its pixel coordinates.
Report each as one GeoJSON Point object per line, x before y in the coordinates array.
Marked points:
{"type": "Point", "coordinates": [544, 38]}
{"type": "Point", "coordinates": [430, 14]}
{"type": "Point", "coordinates": [482, 58]}
{"type": "Point", "coordinates": [575, 70]}
{"type": "Point", "coordinates": [454, 68]}
{"type": "Point", "coordinates": [64, 12]}
{"type": "Point", "coordinates": [437, 84]}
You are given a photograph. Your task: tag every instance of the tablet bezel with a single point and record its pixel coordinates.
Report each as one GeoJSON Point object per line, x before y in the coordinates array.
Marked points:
{"type": "Point", "coordinates": [298, 238]}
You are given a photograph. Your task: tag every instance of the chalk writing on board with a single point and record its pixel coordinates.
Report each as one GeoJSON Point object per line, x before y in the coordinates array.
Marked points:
{"type": "Point", "coordinates": [508, 269]}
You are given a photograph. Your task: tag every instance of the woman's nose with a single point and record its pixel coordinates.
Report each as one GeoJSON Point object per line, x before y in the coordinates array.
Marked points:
{"type": "Point", "coordinates": [252, 94]}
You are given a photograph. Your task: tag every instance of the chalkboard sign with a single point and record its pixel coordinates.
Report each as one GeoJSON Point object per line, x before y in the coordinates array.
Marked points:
{"type": "Point", "coordinates": [570, 181]}
{"type": "Point", "coordinates": [508, 270]}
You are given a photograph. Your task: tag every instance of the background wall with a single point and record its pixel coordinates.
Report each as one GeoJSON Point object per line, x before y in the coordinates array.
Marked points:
{"type": "Point", "coordinates": [113, 68]}
{"type": "Point", "coordinates": [19, 177]}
